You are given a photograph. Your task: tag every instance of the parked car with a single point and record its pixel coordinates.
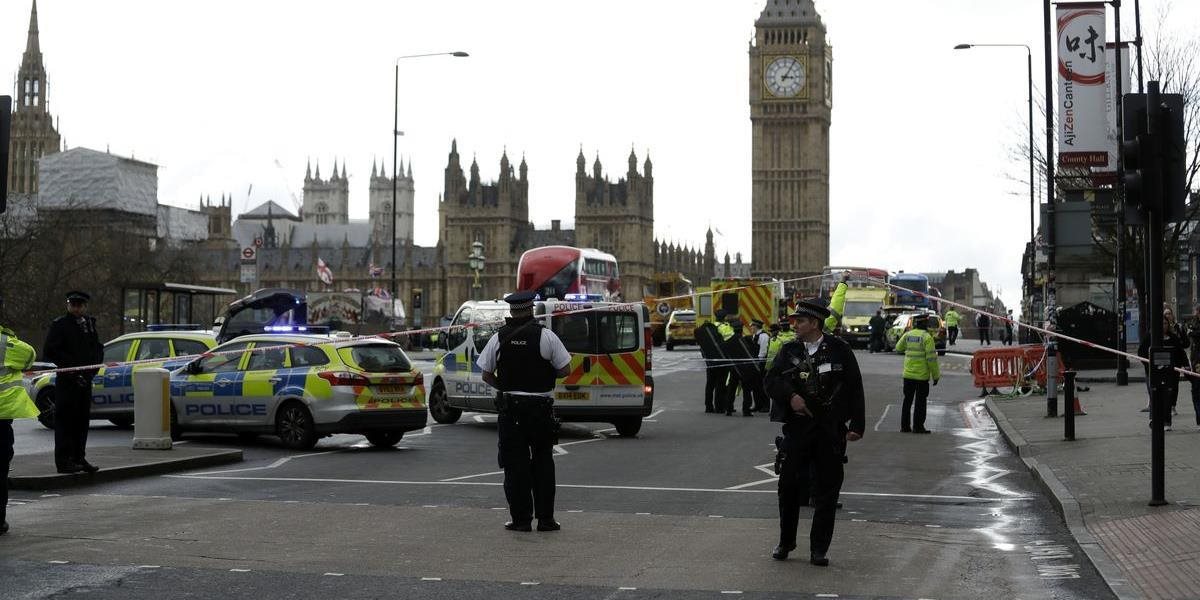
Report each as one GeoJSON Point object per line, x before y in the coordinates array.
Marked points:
{"type": "Point", "coordinates": [300, 387]}
{"type": "Point", "coordinates": [112, 387]}
{"type": "Point", "coordinates": [681, 328]}
{"type": "Point", "coordinates": [903, 323]}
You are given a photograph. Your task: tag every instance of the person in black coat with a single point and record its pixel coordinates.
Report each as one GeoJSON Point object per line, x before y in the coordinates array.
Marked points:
{"type": "Point", "coordinates": [73, 342]}
{"type": "Point", "coordinates": [1173, 338]}
{"type": "Point", "coordinates": [817, 393]}
{"type": "Point", "coordinates": [878, 328]}
{"type": "Point", "coordinates": [716, 370]}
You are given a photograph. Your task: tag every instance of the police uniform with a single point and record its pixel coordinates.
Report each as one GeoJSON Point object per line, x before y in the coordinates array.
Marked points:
{"type": "Point", "coordinates": [523, 358]}
{"type": "Point", "coordinates": [73, 342]}
{"type": "Point", "coordinates": [920, 367]}
{"type": "Point", "coordinates": [15, 357]}
{"type": "Point", "coordinates": [826, 375]}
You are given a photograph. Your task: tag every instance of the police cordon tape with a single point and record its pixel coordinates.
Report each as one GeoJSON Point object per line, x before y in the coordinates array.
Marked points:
{"type": "Point", "coordinates": [1040, 330]}
{"type": "Point", "coordinates": [392, 334]}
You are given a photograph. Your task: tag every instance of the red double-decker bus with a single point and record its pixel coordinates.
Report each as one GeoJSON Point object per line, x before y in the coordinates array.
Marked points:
{"type": "Point", "coordinates": [564, 272]}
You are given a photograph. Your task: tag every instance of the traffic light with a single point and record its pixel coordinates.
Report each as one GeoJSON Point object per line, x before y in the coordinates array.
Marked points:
{"type": "Point", "coordinates": [1139, 152]}
{"type": "Point", "coordinates": [1154, 155]}
{"type": "Point", "coordinates": [1173, 148]}
{"type": "Point", "coordinates": [5, 129]}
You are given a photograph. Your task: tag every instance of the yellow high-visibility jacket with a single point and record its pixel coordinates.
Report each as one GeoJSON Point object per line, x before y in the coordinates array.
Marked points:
{"type": "Point", "coordinates": [15, 356]}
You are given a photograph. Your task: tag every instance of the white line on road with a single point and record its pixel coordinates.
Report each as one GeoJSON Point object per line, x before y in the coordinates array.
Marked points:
{"type": "Point", "coordinates": [882, 417]}
{"type": "Point", "coordinates": [636, 488]}
{"type": "Point", "coordinates": [751, 484]}
{"type": "Point", "coordinates": [472, 476]}
{"type": "Point", "coordinates": [278, 463]}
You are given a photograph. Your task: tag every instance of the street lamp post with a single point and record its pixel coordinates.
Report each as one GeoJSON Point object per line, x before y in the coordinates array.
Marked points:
{"type": "Point", "coordinates": [475, 261]}
{"type": "Point", "coordinates": [1032, 193]}
{"type": "Point", "coordinates": [396, 133]}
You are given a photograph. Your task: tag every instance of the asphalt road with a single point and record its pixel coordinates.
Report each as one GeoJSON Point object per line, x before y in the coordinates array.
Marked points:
{"type": "Point", "coordinates": [685, 510]}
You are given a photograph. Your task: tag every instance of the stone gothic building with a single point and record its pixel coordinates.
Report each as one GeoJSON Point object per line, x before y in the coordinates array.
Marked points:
{"type": "Point", "coordinates": [33, 132]}
{"type": "Point", "coordinates": [618, 218]}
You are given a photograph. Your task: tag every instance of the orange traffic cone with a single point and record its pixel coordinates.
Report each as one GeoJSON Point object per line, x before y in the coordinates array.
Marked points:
{"type": "Point", "coordinates": [1078, 406]}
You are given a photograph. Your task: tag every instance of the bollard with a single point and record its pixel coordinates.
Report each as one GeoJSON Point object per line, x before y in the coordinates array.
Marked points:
{"type": "Point", "coordinates": [151, 409]}
{"type": "Point", "coordinates": [1051, 375]}
{"type": "Point", "coordinates": [1069, 405]}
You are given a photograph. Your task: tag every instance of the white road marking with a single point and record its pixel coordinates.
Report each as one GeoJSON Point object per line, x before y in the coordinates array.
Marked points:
{"type": "Point", "coordinates": [530, 583]}
{"type": "Point", "coordinates": [642, 513]}
{"type": "Point", "coordinates": [472, 476]}
{"type": "Point", "coordinates": [51, 495]}
{"type": "Point", "coordinates": [334, 574]}
{"type": "Point", "coordinates": [626, 589]}
{"type": "Point", "coordinates": [148, 567]}
{"type": "Point", "coordinates": [274, 465]}
{"type": "Point", "coordinates": [480, 418]}
{"type": "Point", "coordinates": [731, 591]}
{"type": "Point", "coordinates": [654, 414]}
{"type": "Point", "coordinates": [59, 562]}
{"type": "Point", "coordinates": [239, 570]}
{"type": "Point", "coordinates": [752, 484]}
{"type": "Point", "coordinates": [883, 416]}
{"type": "Point", "coordinates": [638, 488]}
{"type": "Point", "coordinates": [431, 579]}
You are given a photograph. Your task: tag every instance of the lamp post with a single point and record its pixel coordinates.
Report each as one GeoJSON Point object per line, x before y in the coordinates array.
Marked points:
{"type": "Point", "coordinates": [475, 261]}
{"type": "Point", "coordinates": [1032, 193]}
{"type": "Point", "coordinates": [395, 150]}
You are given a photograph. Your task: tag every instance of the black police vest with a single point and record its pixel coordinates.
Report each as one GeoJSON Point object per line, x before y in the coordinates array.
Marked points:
{"type": "Point", "coordinates": [519, 361]}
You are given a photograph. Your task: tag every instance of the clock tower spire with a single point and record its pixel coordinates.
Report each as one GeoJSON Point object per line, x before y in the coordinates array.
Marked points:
{"type": "Point", "coordinates": [791, 102]}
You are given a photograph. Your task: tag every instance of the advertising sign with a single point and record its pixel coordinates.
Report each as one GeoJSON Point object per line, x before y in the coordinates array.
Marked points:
{"type": "Point", "coordinates": [1082, 122]}
{"type": "Point", "coordinates": [336, 309]}
{"type": "Point", "coordinates": [249, 273]}
{"type": "Point", "coordinates": [1110, 98]}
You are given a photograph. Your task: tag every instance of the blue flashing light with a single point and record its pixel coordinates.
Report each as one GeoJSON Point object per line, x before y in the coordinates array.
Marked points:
{"type": "Point", "coordinates": [582, 297]}
{"type": "Point", "coordinates": [284, 328]}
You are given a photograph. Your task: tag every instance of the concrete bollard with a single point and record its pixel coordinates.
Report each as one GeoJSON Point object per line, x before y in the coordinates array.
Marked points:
{"type": "Point", "coordinates": [151, 409]}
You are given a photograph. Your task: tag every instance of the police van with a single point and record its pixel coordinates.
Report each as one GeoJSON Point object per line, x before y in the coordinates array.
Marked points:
{"type": "Point", "coordinates": [609, 379]}
{"type": "Point", "coordinates": [300, 387]}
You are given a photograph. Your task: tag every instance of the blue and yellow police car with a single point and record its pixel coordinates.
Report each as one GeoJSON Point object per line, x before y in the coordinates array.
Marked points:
{"type": "Point", "coordinates": [300, 387]}
{"type": "Point", "coordinates": [166, 346]}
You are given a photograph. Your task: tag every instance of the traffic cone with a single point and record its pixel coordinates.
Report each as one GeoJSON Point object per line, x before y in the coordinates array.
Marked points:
{"type": "Point", "coordinates": [1078, 406]}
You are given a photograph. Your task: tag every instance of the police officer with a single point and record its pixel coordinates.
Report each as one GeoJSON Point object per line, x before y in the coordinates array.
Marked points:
{"type": "Point", "coordinates": [716, 372]}
{"type": "Point", "coordinates": [523, 360]}
{"type": "Point", "coordinates": [73, 342]}
{"type": "Point", "coordinates": [15, 356]}
{"type": "Point", "coordinates": [817, 394]}
{"type": "Point", "coordinates": [878, 327]}
{"type": "Point", "coordinates": [726, 334]}
{"type": "Point", "coordinates": [920, 367]}
{"type": "Point", "coordinates": [952, 319]}
{"type": "Point", "coordinates": [760, 342]}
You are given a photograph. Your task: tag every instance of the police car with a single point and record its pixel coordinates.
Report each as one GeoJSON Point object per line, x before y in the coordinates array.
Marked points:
{"type": "Point", "coordinates": [609, 379]}
{"type": "Point", "coordinates": [300, 387]}
{"type": "Point", "coordinates": [112, 387]}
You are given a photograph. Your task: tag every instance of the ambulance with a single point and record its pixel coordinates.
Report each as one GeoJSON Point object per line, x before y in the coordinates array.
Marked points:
{"type": "Point", "coordinates": [609, 379]}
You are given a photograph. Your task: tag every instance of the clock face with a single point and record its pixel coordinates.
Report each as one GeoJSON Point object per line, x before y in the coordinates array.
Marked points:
{"type": "Point", "coordinates": [784, 77]}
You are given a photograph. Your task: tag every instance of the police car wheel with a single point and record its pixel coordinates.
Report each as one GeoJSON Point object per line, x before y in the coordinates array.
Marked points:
{"type": "Point", "coordinates": [45, 404]}
{"type": "Point", "coordinates": [439, 407]}
{"type": "Point", "coordinates": [384, 439]}
{"type": "Point", "coordinates": [294, 426]}
{"type": "Point", "coordinates": [122, 422]}
{"type": "Point", "coordinates": [628, 426]}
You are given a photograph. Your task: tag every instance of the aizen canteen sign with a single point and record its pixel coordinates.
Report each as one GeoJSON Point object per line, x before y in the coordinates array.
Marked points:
{"type": "Point", "coordinates": [1083, 121]}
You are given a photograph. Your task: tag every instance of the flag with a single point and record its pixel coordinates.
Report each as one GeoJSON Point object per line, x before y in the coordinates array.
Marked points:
{"type": "Point", "coordinates": [375, 271]}
{"type": "Point", "coordinates": [323, 272]}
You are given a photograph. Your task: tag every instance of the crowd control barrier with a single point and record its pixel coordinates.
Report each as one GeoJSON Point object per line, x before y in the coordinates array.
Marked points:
{"type": "Point", "coordinates": [1011, 366]}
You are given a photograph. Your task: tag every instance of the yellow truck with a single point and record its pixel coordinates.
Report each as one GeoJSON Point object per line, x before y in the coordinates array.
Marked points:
{"type": "Point", "coordinates": [750, 298]}
{"type": "Point", "coordinates": [861, 304]}
{"type": "Point", "coordinates": [665, 293]}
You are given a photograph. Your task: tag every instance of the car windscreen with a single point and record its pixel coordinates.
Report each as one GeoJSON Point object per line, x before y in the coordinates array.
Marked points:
{"type": "Point", "coordinates": [376, 358]}
{"type": "Point", "coordinates": [685, 317]}
{"type": "Point", "coordinates": [860, 308]}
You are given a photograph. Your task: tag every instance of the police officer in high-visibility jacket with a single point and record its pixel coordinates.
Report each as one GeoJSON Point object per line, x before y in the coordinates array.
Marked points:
{"type": "Point", "coordinates": [15, 356]}
{"type": "Point", "coordinates": [784, 336]}
{"type": "Point", "coordinates": [523, 360]}
{"type": "Point", "coordinates": [920, 368]}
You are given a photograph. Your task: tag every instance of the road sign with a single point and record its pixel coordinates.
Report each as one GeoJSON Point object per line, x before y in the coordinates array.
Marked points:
{"type": "Point", "coordinates": [248, 253]}
{"type": "Point", "coordinates": [249, 272]}
{"type": "Point", "coordinates": [258, 242]}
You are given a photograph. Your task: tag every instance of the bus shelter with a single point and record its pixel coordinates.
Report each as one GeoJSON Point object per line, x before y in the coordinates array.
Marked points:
{"type": "Point", "coordinates": [143, 305]}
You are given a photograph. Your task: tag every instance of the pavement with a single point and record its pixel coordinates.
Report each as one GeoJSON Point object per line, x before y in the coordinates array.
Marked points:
{"type": "Point", "coordinates": [1100, 483]}
{"type": "Point", "coordinates": [36, 471]}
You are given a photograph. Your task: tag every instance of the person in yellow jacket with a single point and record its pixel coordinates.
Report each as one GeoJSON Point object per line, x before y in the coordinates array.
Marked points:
{"type": "Point", "coordinates": [952, 319]}
{"type": "Point", "coordinates": [837, 304]}
{"type": "Point", "coordinates": [920, 367]}
{"type": "Point", "coordinates": [783, 336]}
{"type": "Point", "coordinates": [15, 357]}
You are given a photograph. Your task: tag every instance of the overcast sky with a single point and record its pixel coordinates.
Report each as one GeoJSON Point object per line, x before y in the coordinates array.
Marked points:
{"type": "Point", "coordinates": [227, 94]}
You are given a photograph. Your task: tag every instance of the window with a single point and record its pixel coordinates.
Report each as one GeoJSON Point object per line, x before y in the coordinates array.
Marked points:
{"type": "Point", "coordinates": [224, 363]}
{"type": "Point", "coordinates": [153, 348]}
{"type": "Point", "coordinates": [377, 358]}
{"type": "Point", "coordinates": [189, 347]}
{"type": "Point", "coordinates": [117, 352]}
{"type": "Point", "coordinates": [487, 323]}
{"type": "Point", "coordinates": [267, 359]}
{"type": "Point", "coordinates": [308, 356]}
{"type": "Point", "coordinates": [618, 332]}
{"type": "Point", "coordinates": [574, 331]}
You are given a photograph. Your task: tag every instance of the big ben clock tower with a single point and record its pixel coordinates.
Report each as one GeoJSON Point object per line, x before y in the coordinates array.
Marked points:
{"type": "Point", "coordinates": [791, 98]}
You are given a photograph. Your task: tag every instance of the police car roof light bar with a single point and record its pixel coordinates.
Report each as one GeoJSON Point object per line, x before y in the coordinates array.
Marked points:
{"type": "Point", "coordinates": [175, 327]}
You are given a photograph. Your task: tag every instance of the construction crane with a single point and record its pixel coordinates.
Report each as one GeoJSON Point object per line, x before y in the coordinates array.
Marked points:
{"type": "Point", "coordinates": [296, 205]}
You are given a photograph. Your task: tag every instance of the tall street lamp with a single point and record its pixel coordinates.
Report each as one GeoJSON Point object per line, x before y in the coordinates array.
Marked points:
{"type": "Point", "coordinates": [475, 260]}
{"type": "Point", "coordinates": [1032, 194]}
{"type": "Point", "coordinates": [396, 133]}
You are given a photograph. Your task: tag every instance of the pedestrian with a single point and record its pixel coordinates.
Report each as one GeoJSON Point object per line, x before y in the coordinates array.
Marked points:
{"type": "Point", "coordinates": [878, 328]}
{"type": "Point", "coordinates": [1193, 336]}
{"type": "Point", "coordinates": [952, 319]}
{"type": "Point", "coordinates": [73, 342]}
{"type": "Point", "coordinates": [1008, 328]}
{"type": "Point", "coordinates": [716, 371]}
{"type": "Point", "coordinates": [1174, 339]}
{"type": "Point", "coordinates": [920, 368]}
{"type": "Point", "coordinates": [522, 361]}
{"type": "Point", "coordinates": [817, 393]}
{"type": "Point", "coordinates": [14, 404]}
{"type": "Point", "coordinates": [984, 322]}
{"type": "Point", "coordinates": [728, 336]}
{"type": "Point", "coordinates": [759, 345]}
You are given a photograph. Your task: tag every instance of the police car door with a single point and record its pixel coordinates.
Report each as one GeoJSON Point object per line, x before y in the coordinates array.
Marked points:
{"type": "Point", "coordinates": [264, 372]}
{"type": "Point", "coordinates": [108, 379]}
{"type": "Point", "coordinates": [487, 322]}
{"type": "Point", "coordinates": [203, 398]}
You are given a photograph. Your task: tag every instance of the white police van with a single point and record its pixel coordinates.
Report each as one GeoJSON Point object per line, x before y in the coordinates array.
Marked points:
{"type": "Point", "coordinates": [609, 379]}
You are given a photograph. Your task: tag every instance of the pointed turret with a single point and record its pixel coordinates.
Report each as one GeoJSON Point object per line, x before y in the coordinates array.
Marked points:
{"type": "Point", "coordinates": [409, 172]}
{"type": "Point", "coordinates": [474, 172]}
{"type": "Point", "coordinates": [317, 175]}
{"type": "Point", "coordinates": [648, 167]}
{"type": "Point", "coordinates": [524, 169]}
{"type": "Point", "coordinates": [335, 171]}
{"type": "Point", "coordinates": [308, 170]}
{"type": "Point", "coordinates": [596, 166]}
{"type": "Point", "coordinates": [400, 167]}
{"type": "Point", "coordinates": [373, 174]}
{"type": "Point", "coordinates": [580, 162]}
{"type": "Point", "coordinates": [632, 161]}
{"type": "Point", "coordinates": [32, 45]}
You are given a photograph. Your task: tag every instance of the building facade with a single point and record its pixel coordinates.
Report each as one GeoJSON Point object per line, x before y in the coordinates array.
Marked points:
{"type": "Point", "coordinates": [33, 132]}
{"type": "Point", "coordinates": [618, 218]}
{"type": "Point", "coordinates": [791, 100]}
